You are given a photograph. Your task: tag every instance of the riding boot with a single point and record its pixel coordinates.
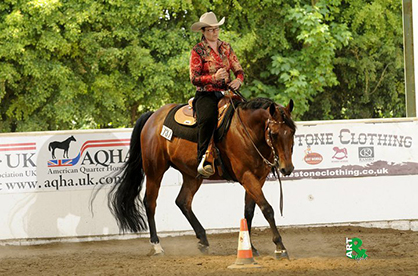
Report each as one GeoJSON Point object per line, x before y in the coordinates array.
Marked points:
{"type": "Point", "coordinates": [207, 165]}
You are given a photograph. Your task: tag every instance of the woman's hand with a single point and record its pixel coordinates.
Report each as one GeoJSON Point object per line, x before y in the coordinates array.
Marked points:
{"type": "Point", "coordinates": [221, 74]}
{"type": "Point", "coordinates": [235, 84]}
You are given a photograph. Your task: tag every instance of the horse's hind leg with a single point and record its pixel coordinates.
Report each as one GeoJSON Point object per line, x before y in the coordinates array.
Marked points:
{"type": "Point", "coordinates": [150, 201]}
{"type": "Point", "coordinates": [184, 202]}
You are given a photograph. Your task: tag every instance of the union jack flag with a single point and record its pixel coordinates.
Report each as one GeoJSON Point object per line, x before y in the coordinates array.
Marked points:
{"type": "Point", "coordinates": [60, 163]}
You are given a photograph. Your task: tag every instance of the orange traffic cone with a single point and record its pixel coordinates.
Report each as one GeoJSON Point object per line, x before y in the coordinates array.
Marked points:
{"type": "Point", "coordinates": [245, 254]}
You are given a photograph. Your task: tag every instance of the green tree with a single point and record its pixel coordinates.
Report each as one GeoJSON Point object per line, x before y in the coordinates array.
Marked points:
{"type": "Point", "coordinates": [370, 69]}
{"type": "Point", "coordinates": [71, 64]}
{"type": "Point", "coordinates": [89, 64]}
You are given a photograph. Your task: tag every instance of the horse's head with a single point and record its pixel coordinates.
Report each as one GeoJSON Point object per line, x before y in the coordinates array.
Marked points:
{"type": "Point", "coordinates": [72, 138]}
{"type": "Point", "coordinates": [280, 131]}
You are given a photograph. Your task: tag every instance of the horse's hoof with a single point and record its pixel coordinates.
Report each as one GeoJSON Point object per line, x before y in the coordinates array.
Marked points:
{"type": "Point", "coordinates": [255, 252]}
{"type": "Point", "coordinates": [281, 254]}
{"type": "Point", "coordinates": [204, 249]}
{"type": "Point", "coordinates": [156, 250]}
{"type": "Point", "coordinates": [152, 253]}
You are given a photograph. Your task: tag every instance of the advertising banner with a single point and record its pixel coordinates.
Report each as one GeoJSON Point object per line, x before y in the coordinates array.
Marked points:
{"type": "Point", "coordinates": [47, 180]}
{"type": "Point", "coordinates": [84, 160]}
{"type": "Point", "coordinates": [355, 148]}
{"type": "Point", "coordinates": [62, 161]}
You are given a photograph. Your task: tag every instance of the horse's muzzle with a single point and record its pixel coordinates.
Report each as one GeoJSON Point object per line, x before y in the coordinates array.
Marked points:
{"type": "Point", "coordinates": [287, 170]}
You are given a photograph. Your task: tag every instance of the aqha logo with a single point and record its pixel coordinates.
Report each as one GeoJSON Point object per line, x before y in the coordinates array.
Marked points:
{"type": "Point", "coordinates": [102, 157]}
{"type": "Point", "coordinates": [312, 158]}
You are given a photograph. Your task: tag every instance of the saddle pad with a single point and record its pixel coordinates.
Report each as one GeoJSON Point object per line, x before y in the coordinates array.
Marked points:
{"type": "Point", "coordinates": [182, 131]}
{"type": "Point", "coordinates": [190, 132]}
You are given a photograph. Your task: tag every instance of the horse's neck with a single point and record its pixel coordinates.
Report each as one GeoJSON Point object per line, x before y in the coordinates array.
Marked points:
{"type": "Point", "coordinates": [254, 121]}
{"type": "Point", "coordinates": [250, 139]}
{"type": "Point", "coordinates": [257, 118]}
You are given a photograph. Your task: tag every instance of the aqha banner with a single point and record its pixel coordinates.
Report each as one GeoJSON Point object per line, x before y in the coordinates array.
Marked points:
{"type": "Point", "coordinates": [40, 162]}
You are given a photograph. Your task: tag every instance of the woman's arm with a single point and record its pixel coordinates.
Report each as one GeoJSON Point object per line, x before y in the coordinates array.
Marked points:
{"type": "Point", "coordinates": [236, 66]}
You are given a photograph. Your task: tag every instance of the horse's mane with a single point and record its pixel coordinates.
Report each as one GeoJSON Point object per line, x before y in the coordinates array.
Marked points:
{"type": "Point", "coordinates": [265, 103]}
{"type": "Point", "coordinates": [256, 103]}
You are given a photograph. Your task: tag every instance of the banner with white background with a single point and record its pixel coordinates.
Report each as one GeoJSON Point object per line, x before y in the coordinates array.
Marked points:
{"type": "Point", "coordinates": [353, 148]}
{"type": "Point", "coordinates": [61, 161]}
{"type": "Point", "coordinates": [47, 181]}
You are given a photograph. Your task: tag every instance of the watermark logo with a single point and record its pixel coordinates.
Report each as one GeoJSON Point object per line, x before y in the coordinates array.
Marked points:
{"type": "Point", "coordinates": [352, 249]}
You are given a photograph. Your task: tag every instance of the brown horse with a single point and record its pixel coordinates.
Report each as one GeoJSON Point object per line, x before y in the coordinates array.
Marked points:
{"type": "Point", "coordinates": [260, 136]}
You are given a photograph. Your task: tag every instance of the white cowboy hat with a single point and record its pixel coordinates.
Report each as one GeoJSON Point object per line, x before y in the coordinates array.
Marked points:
{"type": "Point", "coordinates": [208, 19]}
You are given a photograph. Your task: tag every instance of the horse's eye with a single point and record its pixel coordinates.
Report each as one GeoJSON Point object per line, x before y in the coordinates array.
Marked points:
{"type": "Point", "coordinates": [274, 134]}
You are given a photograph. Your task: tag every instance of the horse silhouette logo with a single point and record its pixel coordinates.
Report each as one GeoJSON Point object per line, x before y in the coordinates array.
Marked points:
{"type": "Point", "coordinates": [65, 145]}
{"type": "Point", "coordinates": [340, 153]}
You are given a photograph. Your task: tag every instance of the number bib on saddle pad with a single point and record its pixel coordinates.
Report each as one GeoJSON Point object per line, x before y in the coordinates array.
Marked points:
{"type": "Point", "coordinates": [187, 127]}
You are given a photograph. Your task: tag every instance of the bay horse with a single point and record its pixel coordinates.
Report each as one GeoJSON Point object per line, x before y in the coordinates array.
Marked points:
{"type": "Point", "coordinates": [261, 133]}
{"type": "Point", "coordinates": [65, 145]}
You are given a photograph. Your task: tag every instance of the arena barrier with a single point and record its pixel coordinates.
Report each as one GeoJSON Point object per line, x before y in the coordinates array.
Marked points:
{"type": "Point", "coordinates": [354, 171]}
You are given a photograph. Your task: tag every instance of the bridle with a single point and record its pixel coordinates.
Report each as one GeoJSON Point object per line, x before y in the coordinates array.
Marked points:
{"type": "Point", "coordinates": [269, 141]}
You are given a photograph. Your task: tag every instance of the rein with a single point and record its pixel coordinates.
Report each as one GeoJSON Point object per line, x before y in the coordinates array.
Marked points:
{"type": "Point", "coordinates": [269, 141]}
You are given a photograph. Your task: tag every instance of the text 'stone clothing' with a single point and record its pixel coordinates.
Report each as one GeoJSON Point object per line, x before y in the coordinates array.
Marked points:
{"type": "Point", "coordinates": [204, 63]}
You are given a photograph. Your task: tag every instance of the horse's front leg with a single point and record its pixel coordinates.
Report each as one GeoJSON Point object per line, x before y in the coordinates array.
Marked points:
{"type": "Point", "coordinates": [249, 214]}
{"type": "Point", "coordinates": [184, 202]}
{"type": "Point", "coordinates": [253, 189]}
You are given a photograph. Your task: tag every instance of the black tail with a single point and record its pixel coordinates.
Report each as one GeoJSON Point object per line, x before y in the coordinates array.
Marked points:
{"type": "Point", "coordinates": [124, 200]}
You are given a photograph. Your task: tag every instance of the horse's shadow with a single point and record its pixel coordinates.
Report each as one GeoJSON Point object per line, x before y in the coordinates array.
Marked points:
{"type": "Point", "coordinates": [65, 145]}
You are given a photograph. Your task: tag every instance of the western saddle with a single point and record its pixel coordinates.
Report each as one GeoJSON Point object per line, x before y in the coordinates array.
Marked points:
{"type": "Point", "coordinates": [184, 116]}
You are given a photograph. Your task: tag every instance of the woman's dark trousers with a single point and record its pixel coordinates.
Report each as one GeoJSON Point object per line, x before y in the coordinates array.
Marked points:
{"type": "Point", "coordinates": [206, 106]}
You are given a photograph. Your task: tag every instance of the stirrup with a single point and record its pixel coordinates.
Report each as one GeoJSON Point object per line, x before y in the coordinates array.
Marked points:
{"type": "Point", "coordinates": [206, 170]}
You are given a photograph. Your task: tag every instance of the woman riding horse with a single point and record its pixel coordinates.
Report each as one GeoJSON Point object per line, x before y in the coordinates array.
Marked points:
{"type": "Point", "coordinates": [211, 61]}
{"type": "Point", "coordinates": [260, 139]}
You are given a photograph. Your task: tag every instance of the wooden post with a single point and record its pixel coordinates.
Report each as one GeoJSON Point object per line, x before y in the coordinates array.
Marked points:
{"type": "Point", "coordinates": [408, 39]}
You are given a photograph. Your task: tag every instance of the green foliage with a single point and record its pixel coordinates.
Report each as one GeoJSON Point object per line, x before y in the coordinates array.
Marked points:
{"type": "Point", "coordinates": [307, 68]}
{"type": "Point", "coordinates": [370, 70]}
{"type": "Point", "coordinates": [90, 64]}
{"type": "Point", "coordinates": [71, 64]}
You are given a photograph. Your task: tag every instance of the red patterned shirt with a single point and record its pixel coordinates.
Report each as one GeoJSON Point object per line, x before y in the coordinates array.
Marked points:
{"type": "Point", "coordinates": [204, 63]}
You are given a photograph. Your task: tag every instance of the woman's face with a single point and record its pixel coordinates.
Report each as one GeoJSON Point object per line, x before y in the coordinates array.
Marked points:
{"type": "Point", "coordinates": [211, 33]}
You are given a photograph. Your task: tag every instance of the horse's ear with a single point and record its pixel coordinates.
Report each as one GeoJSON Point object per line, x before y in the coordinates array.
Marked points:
{"type": "Point", "coordinates": [289, 107]}
{"type": "Point", "coordinates": [272, 109]}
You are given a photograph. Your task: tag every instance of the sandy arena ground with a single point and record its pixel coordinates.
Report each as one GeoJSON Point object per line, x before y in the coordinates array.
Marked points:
{"type": "Point", "coordinates": [313, 251]}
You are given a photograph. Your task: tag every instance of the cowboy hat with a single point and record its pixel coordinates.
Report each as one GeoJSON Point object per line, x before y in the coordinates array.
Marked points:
{"type": "Point", "coordinates": [208, 19]}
